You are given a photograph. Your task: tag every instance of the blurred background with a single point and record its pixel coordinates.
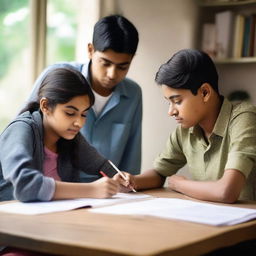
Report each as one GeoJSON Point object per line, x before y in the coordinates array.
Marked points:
{"type": "Point", "coordinates": [37, 33]}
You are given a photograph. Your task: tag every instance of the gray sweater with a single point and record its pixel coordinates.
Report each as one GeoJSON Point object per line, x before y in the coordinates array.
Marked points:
{"type": "Point", "coordinates": [21, 161]}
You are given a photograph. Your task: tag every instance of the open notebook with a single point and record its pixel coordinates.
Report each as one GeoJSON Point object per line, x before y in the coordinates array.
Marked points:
{"type": "Point", "coordinates": [138, 204]}
{"type": "Point", "coordinates": [66, 205]}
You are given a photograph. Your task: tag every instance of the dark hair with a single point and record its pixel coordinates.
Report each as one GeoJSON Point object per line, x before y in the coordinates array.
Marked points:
{"type": "Point", "coordinates": [59, 86]}
{"type": "Point", "coordinates": [116, 33]}
{"type": "Point", "coordinates": [188, 69]}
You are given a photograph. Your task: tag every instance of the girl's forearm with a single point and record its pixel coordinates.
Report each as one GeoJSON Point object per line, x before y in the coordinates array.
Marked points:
{"type": "Point", "coordinates": [102, 188]}
{"type": "Point", "coordinates": [69, 190]}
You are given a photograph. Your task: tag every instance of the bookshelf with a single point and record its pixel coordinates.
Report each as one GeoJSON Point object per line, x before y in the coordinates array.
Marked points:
{"type": "Point", "coordinates": [227, 30]}
{"type": "Point", "coordinates": [225, 3]}
{"type": "Point", "coordinates": [235, 60]}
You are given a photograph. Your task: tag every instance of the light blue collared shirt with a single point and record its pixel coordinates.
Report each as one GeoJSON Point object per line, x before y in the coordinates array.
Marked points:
{"type": "Point", "coordinates": [116, 131]}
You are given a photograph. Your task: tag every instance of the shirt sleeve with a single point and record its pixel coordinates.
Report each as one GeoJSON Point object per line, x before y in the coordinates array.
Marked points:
{"type": "Point", "coordinates": [17, 158]}
{"type": "Point", "coordinates": [242, 151]}
{"type": "Point", "coordinates": [172, 157]}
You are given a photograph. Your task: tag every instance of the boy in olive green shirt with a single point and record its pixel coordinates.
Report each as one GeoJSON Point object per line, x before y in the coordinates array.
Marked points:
{"type": "Point", "coordinates": [216, 139]}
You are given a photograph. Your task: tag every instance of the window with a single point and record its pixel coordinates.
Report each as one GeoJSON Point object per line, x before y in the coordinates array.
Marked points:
{"type": "Point", "coordinates": [14, 57]}
{"type": "Point", "coordinates": [15, 45]}
{"type": "Point", "coordinates": [61, 30]}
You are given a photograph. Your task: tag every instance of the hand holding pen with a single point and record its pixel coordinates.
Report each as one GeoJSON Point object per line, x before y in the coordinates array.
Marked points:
{"type": "Point", "coordinates": [123, 176]}
{"type": "Point", "coordinates": [104, 188]}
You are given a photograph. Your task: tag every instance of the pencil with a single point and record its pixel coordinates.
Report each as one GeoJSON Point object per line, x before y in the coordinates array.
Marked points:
{"type": "Point", "coordinates": [103, 174]}
{"type": "Point", "coordinates": [121, 174]}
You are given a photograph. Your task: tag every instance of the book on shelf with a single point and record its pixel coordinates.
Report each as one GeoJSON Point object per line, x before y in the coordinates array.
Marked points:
{"type": "Point", "coordinates": [249, 48]}
{"type": "Point", "coordinates": [238, 36]}
{"type": "Point", "coordinates": [224, 34]}
{"type": "Point", "coordinates": [209, 39]}
{"type": "Point", "coordinates": [253, 37]}
{"type": "Point", "coordinates": [247, 36]}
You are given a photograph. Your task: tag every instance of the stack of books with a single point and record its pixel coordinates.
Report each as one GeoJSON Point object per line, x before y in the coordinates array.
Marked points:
{"type": "Point", "coordinates": [230, 36]}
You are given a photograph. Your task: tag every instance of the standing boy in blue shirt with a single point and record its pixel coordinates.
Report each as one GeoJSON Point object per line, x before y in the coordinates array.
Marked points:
{"type": "Point", "coordinates": [113, 124]}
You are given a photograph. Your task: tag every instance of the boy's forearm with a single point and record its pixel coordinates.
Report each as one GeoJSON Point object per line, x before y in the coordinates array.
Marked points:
{"type": "Point", "coordinates": [148, 179]}
{"type": "Point", "coordinates": [202, 190]}
{"type": "Point", "coordinates": [225, 190]}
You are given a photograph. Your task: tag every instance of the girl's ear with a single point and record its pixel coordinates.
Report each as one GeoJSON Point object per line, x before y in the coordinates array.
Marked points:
{"type": "Point", "coordinates": [44, 105]}
{"type": "Point", "coordinates": [205, 91]}
{"type": "Point", "coordinates": [91, 50]}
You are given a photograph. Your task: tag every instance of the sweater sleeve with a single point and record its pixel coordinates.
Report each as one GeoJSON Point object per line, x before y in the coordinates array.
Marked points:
{"type": "Point", "coordinates": [19, 158]}
{"type": "Point", "coordinates": [91, 161]}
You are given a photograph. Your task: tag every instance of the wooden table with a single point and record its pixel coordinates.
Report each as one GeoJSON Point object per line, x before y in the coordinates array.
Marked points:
{"type": "Point", "coordinates": [81, 232]}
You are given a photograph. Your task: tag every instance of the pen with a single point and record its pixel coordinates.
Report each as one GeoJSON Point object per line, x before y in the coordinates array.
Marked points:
{"type": "Point", "coordinates": [121, 174]}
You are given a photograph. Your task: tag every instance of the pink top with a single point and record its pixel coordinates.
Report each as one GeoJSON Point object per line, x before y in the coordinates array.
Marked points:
{"type": "Point", "coordinates": [50, 164]}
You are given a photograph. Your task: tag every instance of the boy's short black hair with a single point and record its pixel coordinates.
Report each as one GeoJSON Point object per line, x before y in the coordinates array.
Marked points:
{"type": "Point", "coordinates": [116, 33]}
{"type": "Point", "coordinates": [188, 69]}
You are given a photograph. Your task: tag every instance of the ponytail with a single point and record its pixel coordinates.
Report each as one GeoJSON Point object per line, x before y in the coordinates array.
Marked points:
{"type": "Point", "coordinates": [31, 107]}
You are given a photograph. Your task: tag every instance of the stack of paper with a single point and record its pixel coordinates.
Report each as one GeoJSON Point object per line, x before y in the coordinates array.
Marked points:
{"type": "Point", "coordinates": [142, 205]}
{"type": "Point", "coordinates": [186, 210]}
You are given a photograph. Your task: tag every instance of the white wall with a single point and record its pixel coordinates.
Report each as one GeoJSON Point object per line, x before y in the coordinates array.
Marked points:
{"type": "Point", "coordinates": [238, 77]}
{"type": "Point", "coordinates": [165, 26]}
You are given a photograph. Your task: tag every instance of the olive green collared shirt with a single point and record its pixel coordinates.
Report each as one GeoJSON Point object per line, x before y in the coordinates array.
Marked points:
{"type": "Point", "coordinates": [232, 145]}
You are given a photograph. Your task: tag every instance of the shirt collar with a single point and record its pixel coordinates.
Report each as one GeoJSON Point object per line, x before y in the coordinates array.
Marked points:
{"type": "Point", "coordinates": [222, 121]}
{"type": "Point", "coordinates": [223, 118]}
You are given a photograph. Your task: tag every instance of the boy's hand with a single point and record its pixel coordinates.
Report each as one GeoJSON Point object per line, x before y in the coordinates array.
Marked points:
{"type": "Point", "coordinates": [173, 180]}
{"type": "Point", "coordinates": [126, 184]}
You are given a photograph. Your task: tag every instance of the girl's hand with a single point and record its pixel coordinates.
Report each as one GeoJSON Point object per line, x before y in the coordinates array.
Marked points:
{"type": "Point", "coordinates": [173, 180]}
{"type": "Point", "coordinates": [105, 187]}
{"type": "Point", "coordinates": [126, 184]}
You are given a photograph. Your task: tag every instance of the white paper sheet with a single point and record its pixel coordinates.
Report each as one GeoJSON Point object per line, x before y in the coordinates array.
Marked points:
{"type": "Point", "coordinates": [180, 209]}
{"type": "Point", "coordinates": [142, 205]}
{"type": "Point", "coordinates": [65, 205]}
